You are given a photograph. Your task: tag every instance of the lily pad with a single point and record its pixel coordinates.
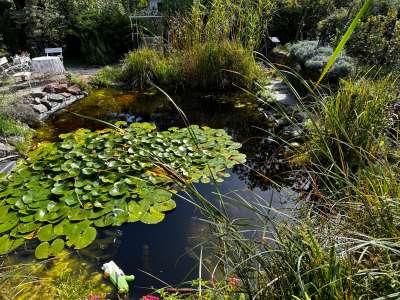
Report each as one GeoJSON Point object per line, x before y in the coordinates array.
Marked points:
{"type": "Point", "coordinates": [42, 251]}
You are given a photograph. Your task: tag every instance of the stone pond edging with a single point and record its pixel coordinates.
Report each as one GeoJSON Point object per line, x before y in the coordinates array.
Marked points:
{"type": "Point", "coordinates": [44, 102]}
{"type": "Point", "coordinates": [52, 98]}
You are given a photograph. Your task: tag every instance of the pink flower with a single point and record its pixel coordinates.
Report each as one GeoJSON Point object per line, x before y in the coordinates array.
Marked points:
{"type": "Point", "coordinates": [150, 297]}
{"type": "Point", "coordinates": [234, 282]}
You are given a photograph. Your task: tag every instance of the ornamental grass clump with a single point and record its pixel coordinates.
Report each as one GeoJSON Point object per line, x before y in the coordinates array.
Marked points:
{"type": "Point", "coordinates": [144, 65]}
{"type": "Point", "coordinates": [352, 125]}
{"type": "Point", "coordinates": [218, 66]}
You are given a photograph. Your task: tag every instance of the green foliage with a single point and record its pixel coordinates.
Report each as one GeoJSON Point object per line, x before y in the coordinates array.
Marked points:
{"type": "Point", "coordinates": [352, 126]}
{"type": "Point", "coordinates": [106, 77]}
{"type": "Point", "coordinates": [73, 79]}
{"type": "Point", "coordinates": [103, 34]}
{"type": "Point", "coordinates": [219, 20]}
{"type": "Point", "coordinates": [212, 66]}
{"type": "Point", "coordinates": [37, 25]}
{"type": "Point", "coordinates": [218, 66]}
{"type": "Point", "coordinates": [343, 41]}
{"type": "Point", "coordinates": [297, 20]}
{"type": "Point", "coordinates": [20, 133]}
{"type": "Point", "coordinates": [146, 64]}
{"type": "Point", "coordinates": [377, 40]}
{"type": "Point", "coordinates": [64, 190]}
{"type": "Point", "coordinates": [312, 59]}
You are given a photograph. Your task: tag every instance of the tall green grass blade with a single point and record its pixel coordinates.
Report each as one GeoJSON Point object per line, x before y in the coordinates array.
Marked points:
{"type": "Point", "coordinates": [367, 4]}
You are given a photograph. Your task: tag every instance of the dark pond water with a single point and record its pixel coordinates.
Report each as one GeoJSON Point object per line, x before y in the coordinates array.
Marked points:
{"type": "Point", "coordinates": [168, 250]}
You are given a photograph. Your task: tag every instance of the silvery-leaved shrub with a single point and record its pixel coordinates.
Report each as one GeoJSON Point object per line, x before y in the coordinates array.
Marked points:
{"type": "Point", "coordinates": [312, 58]}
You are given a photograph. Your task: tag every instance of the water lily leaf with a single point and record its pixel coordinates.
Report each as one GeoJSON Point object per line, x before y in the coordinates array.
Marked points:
{"type": "Point", "coordinates": [46, 233]}
{"type": "Point", "coordinates": [106, 220]}
{"type": "Point", "coordinates": [165, 206]}
{"type": "Point", "coordinates": [88, 171]}
{"type": "Point", "coordinates": [7, 244]}
{"type": "Point", "coordinates": [3, 211]}
{"type": "Point", "coordinates": [70, 199]}
{"type": "Point", "coordinates": [152, 217]}
{"type": "Point", "coordinates": [77, 214]}
{"type": "Point", "coordinates": [119, 188]}
{"type": "Point", "coordinates": [41, 215]}
{"type": "Point", "coordinates": [137, 210]}
{"type": "Point", "coordinates": [57, 246]}
{"type": "Point", "coordinates": [42, 251]}
{"type": "Point", "coordinates": [60, 189]}
{"type": "Point", "coordinates": [27, 219]}
{"type": "Point", "coordinates": [28, 227]}
{"type": "Point", "coordinates": [8, 222]}
{"type": "Point", "coordinates": [84, 239]}
{"type": "Point", "coordinates": [98, 214]}
{"type": "Point", "coordinates": [59, 228]}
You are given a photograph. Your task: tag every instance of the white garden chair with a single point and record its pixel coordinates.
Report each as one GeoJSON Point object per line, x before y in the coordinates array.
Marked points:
{"type": "Point", "coordinates": [56, 51]}
{"type": "Point", "coordinates": [4, 66]}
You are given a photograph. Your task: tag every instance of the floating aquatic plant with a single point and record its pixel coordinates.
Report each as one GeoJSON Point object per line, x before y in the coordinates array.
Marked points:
{"type": "Point", "coordinates": [63, 191]}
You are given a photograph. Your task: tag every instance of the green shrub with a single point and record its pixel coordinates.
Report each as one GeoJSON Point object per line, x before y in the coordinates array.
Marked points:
{"type": "Point", "coordinates": [377, 40]}
{"type": "Point", "coordinates": [295, 20]}
{"type": "Point", "coordinates": [312, 58]}
{"type": "Point", "coordinates": [103, 35]}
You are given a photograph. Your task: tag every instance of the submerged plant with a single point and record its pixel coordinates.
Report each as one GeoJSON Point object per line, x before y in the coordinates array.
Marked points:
{"type": "Point", "coordinates": [89, 180]}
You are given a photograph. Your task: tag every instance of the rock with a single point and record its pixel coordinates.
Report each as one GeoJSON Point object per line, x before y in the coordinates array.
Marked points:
{"type": "Point", "coordinates": [61, 88]}
{"type": "Point", "coordinates": [50, 88]}
{"type": "Point", "coordinates": [7, 166]}
{"type": "Point", "coordinates": [74, 90]}
{"type": "Point", "coordinates": [55, 97]}
{"type": "Point", "coordinates": [24, 113]}
{"type": "Point", "coordinates": [6, 148]}
{"type": "Point", "coordinates": [40, 108]}
{"type": "Point", "coordinates": [47, 104]}
{"type": "Point", "coordinates": [66, 95]}
{"type": "Point", "coordinates": [36, 101]}
{"type": "Point", "coordinates": [73, 98]}
{"type": "Point", "coordinates": [38, 95]}
{"type": "Point", "coordinates": [14, 140]}
{"type": "Point", "coordinates": [27, 100]}
{"type": "Point", "coordinates": [285, 99]}
{"type": "Point", "coordinates": [56, 88]}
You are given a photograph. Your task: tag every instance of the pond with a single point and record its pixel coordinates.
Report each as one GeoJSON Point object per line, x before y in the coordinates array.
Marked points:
{"type": "Point", "coordinates": [167, 251]}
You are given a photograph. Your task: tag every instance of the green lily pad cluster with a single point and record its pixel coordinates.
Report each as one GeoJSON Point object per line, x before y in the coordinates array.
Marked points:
{"type": "Point", "coordinates": [63, 191]}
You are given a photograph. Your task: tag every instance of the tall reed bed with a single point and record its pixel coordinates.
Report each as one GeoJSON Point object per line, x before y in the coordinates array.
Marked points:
{"type": "Point", "coordinates": [211, 66]}
{"type": "Point", "coordinates": [219, 20]}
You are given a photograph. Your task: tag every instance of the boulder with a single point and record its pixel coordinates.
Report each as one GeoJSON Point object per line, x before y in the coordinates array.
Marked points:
{"type": "Point", "coordinates": [38, 95]}
{"type": "Point", "coordinates": [56, 88]}
{"type": "Point", "coordinates": [15, 140]}
{"type": "Point", "coordinates": [55, 97]}
{"type": "Point", "coordinates": [61, 88]}
{"type": "Point", "coordinates": [36, 101]}
{"type": "Point", "coordinates": [40, 108]}
{"type": "Point", "coordinates": [6, 149]}
{"type": "Point", "coordinates": [74, 90]}
{"type": "Point", "coordinates": [47, 104]}
{"type": "Point", "coordinates": [66, 95]}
